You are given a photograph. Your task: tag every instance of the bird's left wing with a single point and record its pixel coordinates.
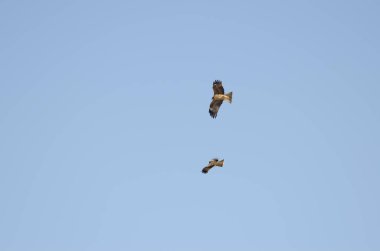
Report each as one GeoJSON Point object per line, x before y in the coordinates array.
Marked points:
{"type": "Point", "coordinates": [214, 107]}
{"type": "Point", "coordinates": [207, 168]}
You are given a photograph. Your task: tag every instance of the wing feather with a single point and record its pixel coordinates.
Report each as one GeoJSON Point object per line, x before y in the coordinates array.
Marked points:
{"type": "Point", "coordinates": [217, 86]}
{"type": "Point", "coordinates": [207, 168]}
{"type": "Point", "coordinates": [214, 107]}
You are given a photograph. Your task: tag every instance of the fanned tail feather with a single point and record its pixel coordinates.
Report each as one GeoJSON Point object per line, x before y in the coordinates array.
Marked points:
{"type": "Point", "coordinates": [220, 163]}
{"type": "Point", "coordinates": [229, 97]}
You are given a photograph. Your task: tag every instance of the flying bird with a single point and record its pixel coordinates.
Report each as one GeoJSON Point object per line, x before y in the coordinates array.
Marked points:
{"type": "Point", "coordinates": [212, 163]}
{"type": "Point", "coordinates": [218, 98]}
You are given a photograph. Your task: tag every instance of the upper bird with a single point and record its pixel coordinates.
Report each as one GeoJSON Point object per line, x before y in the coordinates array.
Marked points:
{"type": "Point", "coordinates": [218, 98]}
{"type": "Point", "coordinates": [212, 163]}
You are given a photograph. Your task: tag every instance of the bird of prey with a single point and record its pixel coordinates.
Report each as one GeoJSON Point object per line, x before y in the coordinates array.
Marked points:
{"type": "Point", "coordinates": [218, 98]}
{"type": "Point", "coordinates": [211, 164]}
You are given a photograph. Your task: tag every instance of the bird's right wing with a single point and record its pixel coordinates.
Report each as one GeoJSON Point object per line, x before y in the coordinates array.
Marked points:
{"type": "Point", "coordinates": [217, 86]}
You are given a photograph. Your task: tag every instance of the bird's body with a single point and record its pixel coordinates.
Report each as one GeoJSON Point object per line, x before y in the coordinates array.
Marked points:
{"type": "Point", "coordinates": [218, 98]}
{"type": "Point", "coordinates": [222, 97]}
{"type": "Point", "coordinates": [212, 163]}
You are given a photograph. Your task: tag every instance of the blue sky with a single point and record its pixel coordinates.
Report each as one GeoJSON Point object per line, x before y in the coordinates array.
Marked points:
{"type": "Point", "coordinates": [104, 125]}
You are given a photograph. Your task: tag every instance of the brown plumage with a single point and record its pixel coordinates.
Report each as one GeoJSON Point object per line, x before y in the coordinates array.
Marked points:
{"type": "Point", "coordinates": [218, 98]}
{"type": "Point", "coordinates": [212, 163]}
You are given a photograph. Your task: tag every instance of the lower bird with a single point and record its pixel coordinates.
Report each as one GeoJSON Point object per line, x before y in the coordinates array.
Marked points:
{"type": "Point", "coordinates": [212, 163]}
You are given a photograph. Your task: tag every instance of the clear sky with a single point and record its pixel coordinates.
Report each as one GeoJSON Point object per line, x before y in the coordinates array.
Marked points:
{"type": "Point", "coordinates": [104, 125]}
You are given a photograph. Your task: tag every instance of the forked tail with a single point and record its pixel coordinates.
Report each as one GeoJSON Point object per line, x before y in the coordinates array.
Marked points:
{"type": "Point", "coordinates": [229, 97]}
{"type": "Point", "coordinates": [220, 163]}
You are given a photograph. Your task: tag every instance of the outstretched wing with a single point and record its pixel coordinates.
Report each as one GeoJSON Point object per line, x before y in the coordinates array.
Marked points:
{"type": "Point", "coordinates": [214, 107]}
{"type": "Point", "coordinates": [207, 168]}
{"type": "Point", "coordinates": [217, 86]}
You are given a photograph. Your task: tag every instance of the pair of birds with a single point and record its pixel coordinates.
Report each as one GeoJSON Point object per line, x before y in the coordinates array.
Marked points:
{"type": "Point", "coordinates": [217, 101]}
